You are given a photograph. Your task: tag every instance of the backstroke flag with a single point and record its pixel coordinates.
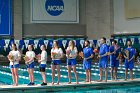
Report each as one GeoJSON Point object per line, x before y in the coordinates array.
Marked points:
{"type": "Point", "coordinates": [55, 11]}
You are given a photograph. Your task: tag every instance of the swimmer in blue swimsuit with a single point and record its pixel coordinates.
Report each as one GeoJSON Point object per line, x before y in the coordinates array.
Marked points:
{"type": "Point", "coordinates": [103, 59]}
{"type": "Point", "coordinates": [129, 55]}
{"type": "Point", "coordinates": [87, 55]}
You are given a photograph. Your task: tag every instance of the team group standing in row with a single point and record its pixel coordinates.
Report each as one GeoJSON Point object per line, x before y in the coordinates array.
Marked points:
{"type": "Point", "coordinates": [71, 53]}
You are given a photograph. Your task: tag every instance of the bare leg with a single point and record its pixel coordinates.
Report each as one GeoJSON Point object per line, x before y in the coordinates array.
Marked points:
{"type": "Point", "coordinates": [131, 74]}
{"type": "Point", "coordinates": [32, 75]}
{"type": "Point", "coordinates": [89, 73]}
{"type": "Point", "coordinates": [44, 77]}
{"type": "Point", "coordinates": [69, 74]}
{"type": "Point", "coordinates": [101, 74]}
{"type": "Point", "coordinates": [13, 75]}
{"type": "Point", "coordinates": [76, 76]}
{"type": "Point", "coordinates": [58, 71]}
{"type": "Point", "coordinates": [116, 69]}
{"type": "Point", "coordinates": [29, 75]}
{"type": "Point", "coordinates": [53, 69]}
{"type": "Point", "coordinates": [126, 73]}
{"type": "Point", "coordinates": [106, 74]}
{"type": "Point", "coordinates": [16, 76]}
{"type": "Point", "coordinates": [112, 76]}
{"type": "Point", "coordinates": [87, 76]}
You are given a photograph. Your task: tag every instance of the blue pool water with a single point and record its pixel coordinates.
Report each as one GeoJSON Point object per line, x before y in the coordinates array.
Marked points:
{"type": "Point", "coordinates": [134, 89]}
{"type": "Point", "coordinates": [5, 74]}
{"type": "Point", "coordinates": [6, 79]}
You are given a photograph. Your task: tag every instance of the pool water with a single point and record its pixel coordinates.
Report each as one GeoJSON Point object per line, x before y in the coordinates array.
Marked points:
{"type": "Point", "coordinates": [6, 78]}
{"type": "Point", "coordinates": [5, 74]}
{"type": "Point", "coordinates": [132, 89]}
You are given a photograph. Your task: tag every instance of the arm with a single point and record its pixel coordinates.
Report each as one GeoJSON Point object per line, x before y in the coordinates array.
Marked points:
{"type": "Point", "coordinates": [51, 54]}
{"type": "Point", "coordinates": [118, 55]}
{"type": "Point", "coordinates": [10, 53]}
{"type": "Point", "coordinates": [134, 52]}
{"type": "Point", "coordinates": [132, 58]}
{"type": "Point", "coordinates": [106, 50]}
{"type": "Point", "coordinates": [66, 53]}
{"type": "Point", "coordinates": [91, 56]}
{"type": "Point", "coordinates": [75, 53]}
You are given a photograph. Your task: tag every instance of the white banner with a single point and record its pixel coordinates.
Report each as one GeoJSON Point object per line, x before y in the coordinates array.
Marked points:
{"type": "Point", "coordinates": [35, 43]}
{"type": "Point", "coordinates": [46, 43]}
{"type": "Point", "coordinates": [108, 41]}
{"type": "Point", "coordinates": [91, 43]}
{"type": "Point", "coordinates": [17, 43]}
{"type": "Point", "coordinates": [124, 40]}
{"type": "Point", "coordinates": [64, 42]}
{"type": "Point", "coordinates": [132, 40]}
{"type": "Point", "coordinates": [26, 43]}
{"type": "Point", "coordinates": [54, 11]}
{"type": "Point", "coordinates": [82, 43]}
{"type": "Point", "coordinates": [6, 42]}
{"type": "Point", "coordinates": [98, 43]}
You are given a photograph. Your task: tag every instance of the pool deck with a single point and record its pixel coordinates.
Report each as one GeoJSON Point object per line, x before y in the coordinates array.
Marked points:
{"type": "Point", "coordinates": [66, 87]}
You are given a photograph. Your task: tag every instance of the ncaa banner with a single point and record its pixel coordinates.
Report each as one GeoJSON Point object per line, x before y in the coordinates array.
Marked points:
{"type": "Point", "coordinates": [5, 17]}
{"type": "Point", "coordinates": [54, 11]}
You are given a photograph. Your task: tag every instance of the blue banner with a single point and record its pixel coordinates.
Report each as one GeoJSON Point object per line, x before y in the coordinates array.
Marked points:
{"type": "Point", "coordinates": [5, 17]}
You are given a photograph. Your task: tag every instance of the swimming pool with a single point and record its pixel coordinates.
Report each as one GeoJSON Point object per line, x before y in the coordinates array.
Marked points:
{"type": "Point", "coordinates": [130, 89]}
{"type": "Point", "coordinates": [6, 79]}
{"type": "Point", "coordinates": [5, 74]}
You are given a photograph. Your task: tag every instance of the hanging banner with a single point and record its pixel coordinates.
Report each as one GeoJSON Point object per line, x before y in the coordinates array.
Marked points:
{"type": "Point", "coordinates": [6, 42]}
{"type": "Point", "coordinates": [17, 43]}
{"type": "Point", "coordinates": [95, 42]}
{"type": "Point", "coordinates": [5, 17]}
{"type": "Point", "coordinates": [21, 44]}
{"type": "Point", "coordinates": [124, 40]}
{"type": "Point", "coordinates": [26, 43]}
{"type": "Point", "coordinates": [108, 41]}
{"type": "Point", "coordinates": [54, 11]}
{"type": "Point", "coordinates": [91, 43]}
{"type": "Point", "coordinates": [98, 43]}
{"type": "Point", "coordinates": [46, 43]}
{"type": "Point", "coordinates": [139, 40]}
{"type": "Point", "coordinates": [132, 40]}
{"type": "Point", "coordinates": [64, 42]}
{"type": "Point", "coordinates": [35, 43]}
{"type": "Point", "coordinates": [82, 43]}
{"type": "Point", "coordinates": [116, 40]}
{"type": "Point", "coordinates": [77, 43]}
{"type": "Point", "coordinates": [50, 43]}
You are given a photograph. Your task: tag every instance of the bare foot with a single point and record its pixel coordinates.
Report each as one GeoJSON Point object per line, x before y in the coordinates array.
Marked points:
{"type": "Point", "coordinates": [116, 80]}
{"type": "Point", "coordinates": [131, 78]}
{"type": "Point", "coordinates": [15, 84]}
{"type": "Point", "coordinates": [105, 81]}
{"type": "Point", "coordinates": [86, 80]}
{"type": "Point", "coordinates": [52, 83]}
{"type": "Point", "coordinates": [90, 82]}
{"type": "Point", "coordinates": [125, 79]}
{"type": "Point", "coordinates": [77, 82]}
{"type": "Point", "coordinates": [57, 83]}
{"type": "Point", "coordinates": [99, 80]}
{"type": "Point", "coordinates": [69, 82]}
